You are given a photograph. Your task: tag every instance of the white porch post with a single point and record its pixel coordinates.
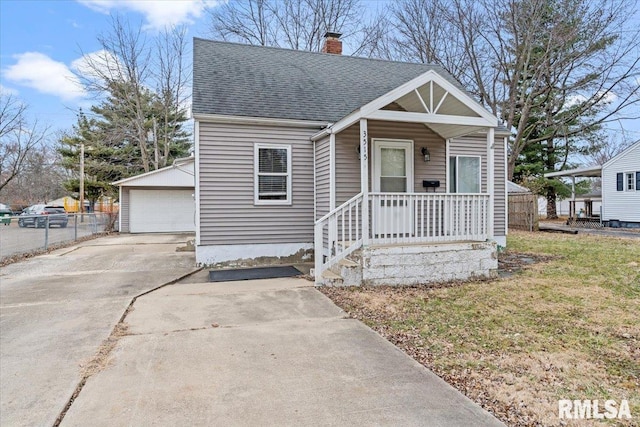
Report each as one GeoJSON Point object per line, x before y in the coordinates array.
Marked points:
{"type": "Point", "coordinates": [447, 171]}
{"type": "Point", "coordinates": [490, 180]}
{"type": "Point", "coordinates": [332, 171]}
{"type": "Point", "coordinates": [333, 224]}
{"type": "Point", "coordinates": [364, 179]}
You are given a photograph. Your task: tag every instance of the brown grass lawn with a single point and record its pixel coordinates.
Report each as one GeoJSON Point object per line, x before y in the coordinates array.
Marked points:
{"type": "Point", "coordinates": [567, 327]}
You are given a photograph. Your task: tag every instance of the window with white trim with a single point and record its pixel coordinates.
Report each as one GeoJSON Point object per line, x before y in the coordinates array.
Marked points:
{"type": "Point", "coordinates": [464, 174]}
{"type": "Point", "coordinates": [272, 174]}
{"type": "Point", "coordinates": [629, 181]}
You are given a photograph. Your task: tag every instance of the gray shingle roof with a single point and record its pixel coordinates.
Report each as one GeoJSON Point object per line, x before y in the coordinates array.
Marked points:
{"type": "Point", "coordinates": [257, 81]}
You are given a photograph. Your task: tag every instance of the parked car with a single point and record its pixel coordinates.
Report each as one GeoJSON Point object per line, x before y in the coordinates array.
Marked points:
{"type": "Point", "coordinates": [37, 216]}
{"type": "Point", "coordinates": [5, 214]}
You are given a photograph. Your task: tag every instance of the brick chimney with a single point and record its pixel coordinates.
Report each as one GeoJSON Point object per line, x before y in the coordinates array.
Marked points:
{"type": "Point", "coordinates": [332, 43]}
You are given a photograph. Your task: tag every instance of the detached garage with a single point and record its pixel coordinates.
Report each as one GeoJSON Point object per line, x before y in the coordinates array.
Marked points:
{"type": "Point", "coordinates": [160, 201]}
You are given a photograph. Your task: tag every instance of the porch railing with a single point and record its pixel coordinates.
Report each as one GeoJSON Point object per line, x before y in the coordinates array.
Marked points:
{"type": "Point", "coordinates": [400, 218]}
{"type": "Point", "coordinates": [422, 218]}
{"type": "Point", "coordinates": [337, 234]}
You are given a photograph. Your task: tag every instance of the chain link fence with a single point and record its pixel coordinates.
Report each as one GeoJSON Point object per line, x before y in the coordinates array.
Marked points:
{"type": "Point", "coordinates": [24, 234]}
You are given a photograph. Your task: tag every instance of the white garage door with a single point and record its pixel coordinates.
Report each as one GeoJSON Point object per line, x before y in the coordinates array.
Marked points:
{"type": "Point", "coordinates": [157, 211]}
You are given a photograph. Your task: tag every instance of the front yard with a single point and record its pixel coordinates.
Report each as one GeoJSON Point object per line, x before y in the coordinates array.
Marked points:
{"type": "Point", "coordinates": [567, 326]}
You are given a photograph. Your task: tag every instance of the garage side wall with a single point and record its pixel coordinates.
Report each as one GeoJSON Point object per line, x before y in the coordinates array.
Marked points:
{"type": "Point", "coordinates": [232, 226]}
{"type": "Point", "coordinates": [124, 210]}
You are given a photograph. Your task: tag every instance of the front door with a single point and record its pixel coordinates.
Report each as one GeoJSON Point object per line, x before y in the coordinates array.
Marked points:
{"type": "Point", "coordinates": [392, 174]}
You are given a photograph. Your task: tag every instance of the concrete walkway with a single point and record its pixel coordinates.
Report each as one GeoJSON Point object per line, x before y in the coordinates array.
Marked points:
{"type": "Point", "coordinates": [57, 309]}
{"type": "Point", "coordinates": [270, 352]}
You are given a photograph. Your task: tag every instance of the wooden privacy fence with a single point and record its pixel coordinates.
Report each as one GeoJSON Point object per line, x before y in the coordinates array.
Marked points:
{"type": "Point", "coordinates": [523, 211]}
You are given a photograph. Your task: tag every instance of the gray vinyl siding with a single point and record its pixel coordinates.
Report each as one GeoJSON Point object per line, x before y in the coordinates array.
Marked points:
{"type": "Point", "coordinates": [499, 189]}
{"type": "Point", "coordinates": [124, 211]}
{"type": "Point", "coordinates": [228, 215]}
{"type": "Point", "coordinates": [476, 145]}
{"type": "Point", "coordinates": [323, 179]}
{"type": "Point", "coordinates": [348, 164]}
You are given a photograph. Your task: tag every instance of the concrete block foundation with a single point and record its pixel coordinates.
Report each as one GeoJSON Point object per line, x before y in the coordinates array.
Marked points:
{"type": "Point", "coordinates": [422, 264]}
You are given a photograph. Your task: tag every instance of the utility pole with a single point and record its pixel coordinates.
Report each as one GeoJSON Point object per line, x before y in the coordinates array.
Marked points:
{"type": "Point", "coordinates": [81, 178]}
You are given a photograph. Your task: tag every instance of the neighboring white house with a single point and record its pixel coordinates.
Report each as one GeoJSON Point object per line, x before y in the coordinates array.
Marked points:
{"type": "Point", "coordinates": [159, 201]}
{"type": "Point", "coordinates": [620, 192]}
{"type": "Point", "coordinates": [621, 188]}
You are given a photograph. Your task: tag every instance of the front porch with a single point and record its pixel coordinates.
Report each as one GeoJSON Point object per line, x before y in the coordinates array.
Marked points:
{"type": "Point", "coordinates": [412, 238]}
{"type": "Point", "coordinates": [428, 136]}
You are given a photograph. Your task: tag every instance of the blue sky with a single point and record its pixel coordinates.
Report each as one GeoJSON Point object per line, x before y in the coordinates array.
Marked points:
{"type": "Point", "coordinates": [41, 43]}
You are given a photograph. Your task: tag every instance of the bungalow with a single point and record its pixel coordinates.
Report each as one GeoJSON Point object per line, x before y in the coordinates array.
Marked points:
{"type": "Point", "coordinates": [380, 171]}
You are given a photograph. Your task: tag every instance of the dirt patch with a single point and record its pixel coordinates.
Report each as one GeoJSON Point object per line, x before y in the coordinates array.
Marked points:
{"type": "Point", "coordinates": [510, 262]}
{"type": "Point", "coordinates": [102, 357]}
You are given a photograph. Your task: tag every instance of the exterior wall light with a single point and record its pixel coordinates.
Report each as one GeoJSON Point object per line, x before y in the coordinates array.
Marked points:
{"type": "Point", "coordinates": [426, 154]}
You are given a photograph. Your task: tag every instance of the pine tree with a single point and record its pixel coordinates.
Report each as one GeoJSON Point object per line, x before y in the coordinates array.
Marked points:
{"type": "Point", "coordinates": [130, 132]}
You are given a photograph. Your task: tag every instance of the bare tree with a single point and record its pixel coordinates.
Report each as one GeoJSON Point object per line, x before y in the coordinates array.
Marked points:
{"type": "Point", "coordinates": [18, 137]}
{"type": "Point", "coordinates": [551, 69]}
{"type": "Point", "coordinates": [297, 24]}
{"type": "Point", "coordinates": [143, 82]}
{"type": "Point", "coordinates": [40, 179]}
{"type": "Point", "coordinates": [607, 151]}
{"type": "Point", "coordinates": [171, 78]}
{"type": "Point", "coordinates": [244, 21]}
{"type": "Point", "coordinates": [120, 68]}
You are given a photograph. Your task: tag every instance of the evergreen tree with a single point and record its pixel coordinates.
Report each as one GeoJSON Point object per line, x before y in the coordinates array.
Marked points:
{"type": "Point", "coordinates": [119, 142]}
{"type": "Point", "coordinates": [557, 122]}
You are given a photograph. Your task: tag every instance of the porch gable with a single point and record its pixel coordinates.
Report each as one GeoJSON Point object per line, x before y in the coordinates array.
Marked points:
{"type": "Point", "coordinates": [428, 99]}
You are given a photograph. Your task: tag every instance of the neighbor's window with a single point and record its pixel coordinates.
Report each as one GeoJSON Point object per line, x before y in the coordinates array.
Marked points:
{"type": "Point", "coordinates": [272, 169]}
{"type": "Point", "coordinates": [464, 174]}
{"type": "Point", "coordinates": [629, 181]}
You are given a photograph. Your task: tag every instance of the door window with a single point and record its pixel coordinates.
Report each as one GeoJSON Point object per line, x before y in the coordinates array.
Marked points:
{"type": "Point", "coordinates": [393, 173]}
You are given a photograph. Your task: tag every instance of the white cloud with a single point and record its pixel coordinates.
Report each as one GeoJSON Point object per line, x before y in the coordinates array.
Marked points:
{"type": "Point", "coordinates": [8, 91]}
{"type": "Point", "coordinates": [40, 72]}
{"type": "Point", "coordinates": [158, 14]}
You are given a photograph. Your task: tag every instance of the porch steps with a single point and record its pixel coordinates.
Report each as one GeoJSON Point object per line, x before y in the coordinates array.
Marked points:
{"type": "Point", "coordinates": [345, 273]}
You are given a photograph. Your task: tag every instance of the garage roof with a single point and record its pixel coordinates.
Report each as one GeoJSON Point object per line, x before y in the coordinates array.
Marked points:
{"type": "Point", "coordinates": [179, 174]}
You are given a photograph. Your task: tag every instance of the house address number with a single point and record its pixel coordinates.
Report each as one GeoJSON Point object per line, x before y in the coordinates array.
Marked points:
{"type": "Point", "coordinates": [365, 146]}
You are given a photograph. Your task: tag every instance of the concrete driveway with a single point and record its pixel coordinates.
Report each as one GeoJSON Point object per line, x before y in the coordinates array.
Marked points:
{"type": "Point", "coordinates": [57, 309]}
{"type": "Point", "coordinates": [263, 352]}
